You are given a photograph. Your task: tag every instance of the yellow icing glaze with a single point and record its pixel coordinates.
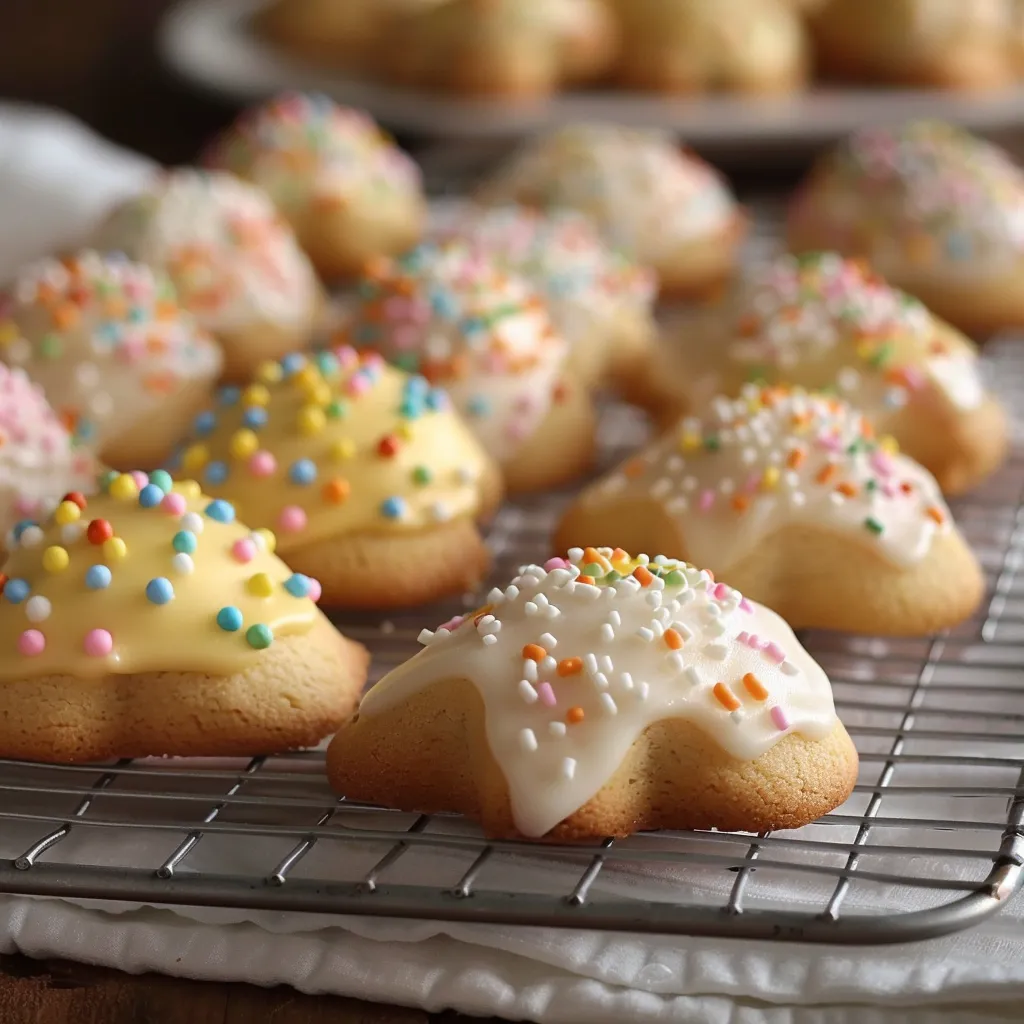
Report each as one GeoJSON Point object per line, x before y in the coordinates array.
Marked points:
{"type": "Point", "coordinates": [46, 589]}
{"type": "Point", "coordinates": [349, 445]}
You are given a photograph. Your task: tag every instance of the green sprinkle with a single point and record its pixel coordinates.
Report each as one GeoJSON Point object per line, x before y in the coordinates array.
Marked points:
{"type": "Point", "coordinates": [873, 525]}
{"type": "Point", "coordinates": [336, 410]}
{"type": "Point", "coordinates": [675, 579]}
{"type": "Point", "coordinates": [259, 636]}
{"type": "Point", "coordinates": [881, 356]}
{"type": "Point", "coordinates": [593, 570]}
{"type": "Point", "coordinates": [421, 475]}
{"type": "Point", "coordinates": [612, 576]}
{"type": "Point", "coordinates": [712, 443]}
{"type": "Point", "coordinates": [50, 346]}
{"type": "Point", "coordinates": [871, 485]}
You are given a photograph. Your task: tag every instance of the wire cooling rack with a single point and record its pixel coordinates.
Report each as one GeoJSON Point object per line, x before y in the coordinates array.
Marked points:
{"type": "Point", "coordinates": [932, 840]}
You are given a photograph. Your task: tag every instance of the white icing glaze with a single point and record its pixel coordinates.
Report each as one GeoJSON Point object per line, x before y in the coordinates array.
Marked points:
{"type": "Point", "coordinates": [776, 458]}
{"type": "Point", "coordinates": [449, 313]}
{"type": "Point", "coordinates": [628, 677]}
{"type": "Point", "coordinates": [232, 259]}
{"type": "Point", "coordinates": [646, 195]}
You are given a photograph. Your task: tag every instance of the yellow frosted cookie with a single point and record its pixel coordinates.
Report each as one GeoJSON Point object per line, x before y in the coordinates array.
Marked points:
{"type": "Point", "coordinates": [367, 477]}
{"type": "Point", "coordinates": [124, 366]}
{"type": "Point", "coordinates": [450, 312]}
{"type": "Point", "coordinates": [601, 696]}
{"type": "Point", "coordinates": [820, 321]}
{"type": "Point", "coordinates": [346, 189]}
{"type": "Point", "coordinates": [146, 620]}
{"type": "Point", "coordinates": [789, 496]}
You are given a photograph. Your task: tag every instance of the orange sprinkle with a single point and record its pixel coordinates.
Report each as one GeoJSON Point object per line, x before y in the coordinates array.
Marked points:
{"type": "Point", "coordinates": [754, 686]}
{"type": "Point", "coordinates": [634, 468]}
{"type": "Point", "coordinates": [618, 555]}
{"type": "Point", "coordinates": [65, 316]}
{"type": "Point", "coordinates": [584, 578]}
{"type": "Point", "coordinates": [826, 474]}
{"type": "Point", "coordinates": [534, 652]}
{"type": "Point", "coordinates": [726, 697]}
{"type": "Point", "coordinates": [906, 487]}
{"type": "Point", "coordinates": [935, 513]}
{"type": "Point", "coordinates": [740, 502]}
{"type": "Point", "coordinates": [643, 574]}
{"type": "Point", "coordinates": [336, 491]}
{"type": "Point", "coordinates": [570, 666]}
{"type": "Point", "coordinates": [592, 555]}
{"type": "Point", "coordinates": [673, 639]}
{"type": "Point", "coordinates": [574, 716]}
{"type": "Point", "coordinates": [847, 488]}
{"type": "Point", "coordinates": [796, 458]}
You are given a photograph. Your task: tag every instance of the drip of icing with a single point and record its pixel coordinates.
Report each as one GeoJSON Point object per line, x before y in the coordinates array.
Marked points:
{"type": "Point", "coordinates": [577, 659]}
{"type": "Point", "coordinates": [106, 340]}
{"type": "Point", "coordinates": [232, 259]}
{"type": "Point", "coordinates": [647, 196]}
{"type": "Point", "coordinates": [336, 443]}
{"type": "Point", "coordinates": [448, 312]}
{"type": "Point", "coordinates": [775, 458]}
{"type": "Point", "coordinates": [145, 578]}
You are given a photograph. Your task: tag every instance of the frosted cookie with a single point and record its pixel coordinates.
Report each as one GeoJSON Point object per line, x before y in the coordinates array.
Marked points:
{"type": "Point", "coordinates": [665, 208]}
{"type": "Point", "coordinates": [123, 365]}
{"type": "Point", "coordinates": [234, 262]}
{"type": "Point", "coordinates": [823, 322]}
{"type": "Point", "coordinates": [367, 478]}
{"type": "Point", "coordinates": [346, 189]}
{"type": "Point", "coordinates": [446, 311]}
{"type": "Point", "coordinates": [511, 48]}
{"type": "Point", "coordinates": [684, 46]}
{"type": "Point", "coordinates": [147, 621]}
{"type": "Point", "coordinates": [600, 300]}
{"type": "Point", "coordinates": [944, 43]}
{"type": "Point", "coordinates": [939, 212]}
{"type": "Point", "coordinates": [38, 460]}
{"type": "Point", "coordinates": [790, 497]}
{"type": "Point", "coordinates": [602, 696]}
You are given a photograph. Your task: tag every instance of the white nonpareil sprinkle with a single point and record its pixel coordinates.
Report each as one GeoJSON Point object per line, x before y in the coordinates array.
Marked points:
{"type": "Point", "coordinates": [183, 564]}
{"type": "Point", "coordinates": [530, 670]}
{"type": "Point", "coordinates": [496, 596]}
{"type": "Point", "coordinates": [614, 618]}
{"type": "Point", "coordinates": [530, 608]}
{"type": "Point", "coordinates": [600, 681]}
{"type": "Point", "coordinates": [716, 651]}
{"type": "Point", "coordinates": [547, 665]}
{"type": "Point", "coordinates": [547, 641]}
{"type": "Point", "coordinates": [677, 660]}
{"type": "Point", "coordinates": [643, 690]}
{"type": "Point", "coordinates": [605, 661]}
{"type": "Point", "coordinates": [627, 681]}
{"type": "Point", "coordinates": [568, 768]}
{"type": "Point", "coordinates": [426, 635]}
{"type": "Point", "coordinates": [489, 638]}
{"type": "Point", "coordinates": [557, 729]}
{"type": "Point", "coordinates": [590, 662]}
{"type": "Point", "coordinates": [789, 669]}
{"type": "Point", "coordinates": [607, 633]}
{"type": "Point", "coordinates": [645, 634]}
{"type": "Point", "coordinates": [528, 740]}
{"type": "Point", "coordinates": [526, 691]}
{"type": "Point", "coordinates": [608, 703]}
{"type": "Point", "coordinates": [693, 675]}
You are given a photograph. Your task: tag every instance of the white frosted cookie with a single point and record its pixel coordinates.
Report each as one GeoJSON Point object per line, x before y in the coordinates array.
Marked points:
{"type": "Point", "coordinates": [146, 620]}
{"type": "Point", "coordinates": [824, 322]}
{"type": "Point", "coordinates": [937, 211]}
{"type": "Point", "coordinates": [344, 186]}
{"type": "Point", "coordinates": [600, 300]}
{"type": "Point", "coordinates": [664, 207]}
{"type": "Point", "coordinates": [789, 496]}
{"type": "Point", "coordinates": [38, 459]}
{"type": "Point", "coordinates": [600, 696]}
{"type": "Point", "coordinates": [234, 262]}
{"type": "Point", "coordinates": [365, 474]}
{"type": "Point", "coordinates": [123, 365]}
{"type": "Point", "coordinates": [448, 311]}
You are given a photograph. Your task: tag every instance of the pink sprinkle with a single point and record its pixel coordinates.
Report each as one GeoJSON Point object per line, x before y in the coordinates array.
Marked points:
{"type": "Point", "coordinates": [721, 592]}
{"type": "Point", "coordinates": [881, 463]}
{"type": "Point", "coordinates": [889, 489]}
{"type": "Point", "coordinates": [913, 378]}
{"type": "Point", "coordinates": [406, 337]}
{"type": "Point", "coordinates": [547, 695]}
{"type": "Point", "coordinates": [140, 478]}
{"type": "Point", "coordinates": [746, 605]}
{"type": "Point", "coordinates": [753, 482]}
{"type": "Point", "coordinates": [453, 623]}
{"type": "Point", "coordinates": [25, 506]}
{"type": "Point", "coordinates": [743, 638]}
{"type": "Point", "coordinates": [707, 499]}
{"type": "Point", "coordinates": [174, 504]}
{"type": "Point", "coordinates": [243, 550]}
{"type": "Point", "coordinates": [776, 653]}
{"type": "Point", "coordinates": [753, 641]}
{"type": "Point", "coordinates": [555, 563]}
{"type": "Point", "coordinates": [292, 519]}
{"type": "Point", "coordinates": [98, 643]}
{"type": "Point", "coordinates": [779, 718]}
{"type": "Point", "coordinates": [262, 464]}
{"type": "Point", "coordinates": [31, 643]}
{"type": "Point", "coordinates": [829, 442]}
{"type": "Point", "coordinates": [315, 590]}
{"type": "Point", "coordinates": [347, 356]}
{"type": "Point", "coordinates": [358, 384]}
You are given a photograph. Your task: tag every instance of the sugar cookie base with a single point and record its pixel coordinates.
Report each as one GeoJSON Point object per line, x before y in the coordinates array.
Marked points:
{"type": "Point", "coordinates": [430, 754]}
{"type": "Point", "coordinates": [301, 689]}
{"type": "Point", "coordinates": [813, 576]}
{"type": "Point", "coordinates": [699, 270]}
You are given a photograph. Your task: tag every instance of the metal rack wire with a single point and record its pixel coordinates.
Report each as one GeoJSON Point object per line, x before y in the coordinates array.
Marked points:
{"type": "Point", "coordinates": [932, 840]}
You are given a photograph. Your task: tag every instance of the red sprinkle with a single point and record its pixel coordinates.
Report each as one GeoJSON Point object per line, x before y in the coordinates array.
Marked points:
{"type": "Point", "coordinates": [98, 531]}
{"type": "Point", "coordinates": [77, 497]}
{"type": "Point", "coordinates": [388, 446]}
{"type": "Point", "coordinates": [3, 581]}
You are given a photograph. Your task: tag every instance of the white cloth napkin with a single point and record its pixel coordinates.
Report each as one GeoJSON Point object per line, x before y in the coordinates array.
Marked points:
{"type": "Point", "coordinates": [55, 180]}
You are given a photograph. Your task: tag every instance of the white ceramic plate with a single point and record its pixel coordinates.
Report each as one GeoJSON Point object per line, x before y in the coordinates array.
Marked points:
{"type": "Point", "coordinates": [209, 43]}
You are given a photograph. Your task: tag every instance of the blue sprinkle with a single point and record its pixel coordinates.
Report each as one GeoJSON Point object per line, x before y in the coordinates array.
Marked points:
{"type": "Point", "coordinates": [297, 585]}
{"type": "Point", "coordinates": [302, 472]}
{"type": "Point", "coordinates": [160, 590]}
{"type": "Point", "coordinates": [230, 395]}
{"type": "Point", "coordinates": [444, 304]}
{"type": "Point", "coordinates": [222, 511]}
{"type": "Point", "coordinates": [255, 417]}
{"type": "Point", "coordinates": [162, 479]}
{"type": "Point", "coordinates": [327, 363]}
{"type": "Point", "coordinates": [184, 542]}
{"type": "Point", "coordinates": [473, 325]}
{"type": "Point", "coordinates": [230, 619]}
{"type": "Point", "coordinates": [150, 496]}
{"type": "Point", "coordinates": [411, 409]}
{"type": "Point", "coordinates": [22, 526]}
{"type": "Point", "coordinates": [437, 400]}
{"type": "Point", "coordinates": [84, 430]}
{"type": "Point", "coordinates": [478, 406]}
{"type": "Point", "coordinates": [216, 472]}
{"type": "Point", "coordinates": [392, 508]}
{"type": "Point", "coordinates": [292, 363]}
{"type": "Point", "coordinates": [174, 459]}
{"type": "Point", "coordinates": [205, 422]}
{"type": "Point", "coordinates": [97, 577]}
{"type": "Point", "coordinates": [16, 590]}
{"type": "Point", "coordinates": [418, 386]}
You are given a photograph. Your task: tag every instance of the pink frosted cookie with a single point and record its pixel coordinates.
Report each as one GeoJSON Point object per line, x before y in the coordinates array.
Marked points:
{"type": "Point", "coordinates": [447, 312]}
{"type": "Point", "coordinates": [347, 190]}
{"type": "Point", "coordinates": [38, 461]}
{"type": "Point", "coordinates": [123, 365]}
{"type": "Point", "coordinates": [663, 207]}
{"type": "Point", "coordinates": [234, 262]}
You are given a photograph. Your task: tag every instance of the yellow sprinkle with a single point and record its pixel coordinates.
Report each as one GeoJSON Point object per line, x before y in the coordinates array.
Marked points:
{"type": "Point", "coordinates": [260, 584]}
{"type": "Point", "coordinates": [308, 377]}
{"type": "Point", "coordinates": [770, 480]}
{"type": "Point", "coordinates": [270, 373]}
{"type": "Point", "coordinates": [124, 487]}
{"type": "Point", "coordinates": [188, 488]}
{"type": "Point", "coordinates": [55, 559]}
{"type": "Point", "coordinates": [889, 445]}
{"type": "Point", "coordinates": [404, 431]}
{"type": "Point", "coordinates": [243, 444]}
{"type": "Point", "coordinates": [269, 539]}
{"type": "Point", "coordinates": [312, 420]}
{"type": "Point", "coordinates": [114, 549]}
{"type": "Point", "coordinates": [256, 394]}
{"type": "Point", "coordinates": [320, 394]}
{"type": "Point", "coordinates": [9, 333]}
{"type": "Point", "coordinates": [865, 350]}
{"type": "Point", "coordinates": [196, 456]}
{"type": "Point", "coordinates": [689, 441]}
{"type": "Point", "coordinates": [67, 512]}
{"type": "Point", "coordinates": [345, 448]}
